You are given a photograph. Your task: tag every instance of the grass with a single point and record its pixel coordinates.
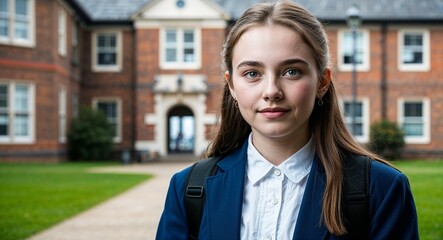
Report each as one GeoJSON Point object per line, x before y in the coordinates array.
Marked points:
{"type": "Point", "coordinates": [34, 197]}
{"type": "Point", "coordinates": [426, 179]}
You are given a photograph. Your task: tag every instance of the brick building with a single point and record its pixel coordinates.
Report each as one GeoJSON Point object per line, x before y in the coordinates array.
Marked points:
{"type": "Point", "coordinates": [153, 67]}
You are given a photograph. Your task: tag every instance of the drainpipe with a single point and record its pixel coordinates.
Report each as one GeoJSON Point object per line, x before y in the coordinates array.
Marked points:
{"type": "Point", "coordinates": [383, 83]}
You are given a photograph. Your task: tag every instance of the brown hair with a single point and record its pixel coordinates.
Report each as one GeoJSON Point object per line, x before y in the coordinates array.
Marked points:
{"type": "Point", "coordinates": [326, 122]}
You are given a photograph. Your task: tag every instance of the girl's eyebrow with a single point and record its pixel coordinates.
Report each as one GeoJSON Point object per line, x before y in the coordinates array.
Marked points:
{"type": "Point", "coordinates": [294, 61]}
{"type": "Point", "coordinates": [282, 63]}
{"type": "Point", "coordinates": [250, 64]}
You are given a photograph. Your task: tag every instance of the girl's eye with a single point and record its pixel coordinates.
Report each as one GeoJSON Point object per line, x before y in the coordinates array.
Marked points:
{"type": "Point", "coordinates": [251, 74]}
{"type": "Point", "coordinates": [292, 72]}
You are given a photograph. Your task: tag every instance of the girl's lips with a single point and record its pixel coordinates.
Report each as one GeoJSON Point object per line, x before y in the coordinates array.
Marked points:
{"type": "Point", "coordinates": [277, 109]}
{"type": "Point", "coordinates": [273, 113]}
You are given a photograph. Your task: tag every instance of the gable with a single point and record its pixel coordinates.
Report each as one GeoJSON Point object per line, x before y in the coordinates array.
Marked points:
{"type": "Point", "coordinates": [192, 9]}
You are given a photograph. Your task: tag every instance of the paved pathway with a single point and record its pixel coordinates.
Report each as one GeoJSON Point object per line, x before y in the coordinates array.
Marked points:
{"type": "Point", "coordinates": [133, 215]}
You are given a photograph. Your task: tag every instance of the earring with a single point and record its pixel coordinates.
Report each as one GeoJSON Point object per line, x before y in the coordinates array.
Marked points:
{"type": "Point", "coordinates": [320, 102]}
{"type": "Point", "coordinates": [235, 103]}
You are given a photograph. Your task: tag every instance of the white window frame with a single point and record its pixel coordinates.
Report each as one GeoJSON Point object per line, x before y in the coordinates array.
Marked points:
{"type": "Point", "coordinates": [62, 114]}
{"type": "Point", "coordinates": [365, 118]}
{"type": "Point", "coordinates": [117, 101]}
{"type": "Point", "coordinates": [11, 39]}
{"type": "Point", "coordinates": [117, 67]}
{"type": "Point", "coordinates": [425, 138]}
{"type": "Point", "coordinates": [61, 32]}
{"type": "Point", "coordinates": [365, 65]}
{"type": "Point", "coordinates": [10, 138]}
{"type": "Point", "coordinates": [425, 66]}
{"type": "Point", "coordinates": [180, 64]}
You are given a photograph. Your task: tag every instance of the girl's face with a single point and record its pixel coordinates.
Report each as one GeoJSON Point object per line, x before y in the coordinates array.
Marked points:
{"type": "Point", "coordinates": [275, 81]}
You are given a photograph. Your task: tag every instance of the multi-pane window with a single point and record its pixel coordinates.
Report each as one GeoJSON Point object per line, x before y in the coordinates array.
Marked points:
{"type": "Point", "coordinates": [16, 112]}
{"type": "Point", "coordinates": [16, 23]}
{"type": "Point", "coordinates": [4, 110]}
{"type": "Point", "coordinates": [107, 51]}
{"type": "Point", "coordinates": [180, 48]}
{"type": "Point", "coordinates": [346, 50]}
{"type": "Point", "coordinates": [74, 43]}
{"type": "Point", "coordinates": [413, 50]}
{"type": "Point", "coordinates": [74, 105]}
{"type": "Point", "coordinates": [62, 105]}
{"type": "Point", "coordinates": [111, 109]}
{"type": "Point", "coordinates": [356, 119]}
{"type": "Point", "coordinates": [414, 115]}
{"type": "Point", "coordinates": [61, 31]}
{"type": "Point", "coordinates": [189, 46]}
{"type": "Point", "coordinates": [171, 46]}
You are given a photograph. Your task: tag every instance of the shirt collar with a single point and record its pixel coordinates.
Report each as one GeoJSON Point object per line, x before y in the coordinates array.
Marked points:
{"type": "Point", "coordinates": [295, 168]}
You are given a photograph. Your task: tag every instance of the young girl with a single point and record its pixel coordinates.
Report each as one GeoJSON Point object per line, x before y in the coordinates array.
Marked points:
{"type": "Point", "coordinates": [282, 143]}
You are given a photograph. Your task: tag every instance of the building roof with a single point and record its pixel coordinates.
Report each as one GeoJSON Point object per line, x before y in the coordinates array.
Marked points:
{"type": "Point", "coordinates": [370, 10]}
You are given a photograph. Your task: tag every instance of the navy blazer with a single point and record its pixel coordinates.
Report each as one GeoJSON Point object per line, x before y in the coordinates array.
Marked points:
{"type": "Point", "coordinates": [392, 209]}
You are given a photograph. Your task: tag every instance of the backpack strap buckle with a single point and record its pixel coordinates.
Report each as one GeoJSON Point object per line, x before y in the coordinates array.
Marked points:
{"type": "Point", "coordinates": [194, 191]}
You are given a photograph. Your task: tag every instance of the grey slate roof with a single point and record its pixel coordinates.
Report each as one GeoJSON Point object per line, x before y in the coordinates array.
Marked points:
{"type": "Point", "coordinates": [332, 10]}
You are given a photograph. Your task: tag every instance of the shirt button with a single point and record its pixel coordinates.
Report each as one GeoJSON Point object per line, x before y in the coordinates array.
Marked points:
{"type": "Point", "coordinates": [275, 201]}
{"type": "Point", "coordinates": [268, 237]}
{"type": "Point", "coordinates": [277, 172]}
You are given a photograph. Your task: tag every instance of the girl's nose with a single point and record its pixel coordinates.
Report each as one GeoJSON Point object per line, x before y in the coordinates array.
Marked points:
{"type": "Point", "coordinates": [272, 89]}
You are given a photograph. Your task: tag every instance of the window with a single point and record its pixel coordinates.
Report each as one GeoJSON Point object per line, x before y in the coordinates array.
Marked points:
{"type": "Point", "coordinates": [75, 47]}
{"type": "Point", "coordinates": [180, 48]}
{"type": "Point", "coordinates": [360, 129]}
{"type": "Point", "coordinates": [413, 50]}
{"type": "Point", "coordinates": [17, 22]}
{"type": "Point", "coordinates": [16, 113]}
{"type": "Point", "coordinates": [62, 115]}
{"type": "Point", "coordinates": [346, 50]}
{"type": "Point", "coordinates": [61, 31]}
{"type": "Point", "coordinates": [107, 51]}
{"type": "Point", "coordinates": [111, 109]}
{"type": "Point", "coordinates": [74, 105]}
{"type": "Point", "coordinates": [414, 118]}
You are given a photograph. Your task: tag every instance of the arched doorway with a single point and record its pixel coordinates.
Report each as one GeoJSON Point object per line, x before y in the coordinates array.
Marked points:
{"type": "Point", "coordinates": [181, 130]}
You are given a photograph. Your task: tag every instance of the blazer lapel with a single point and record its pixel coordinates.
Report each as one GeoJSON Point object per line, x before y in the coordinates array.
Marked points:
{"type": "Point", "coordinates": [309, 224]}
{"type": "Point", "coordinates": [224, 197]}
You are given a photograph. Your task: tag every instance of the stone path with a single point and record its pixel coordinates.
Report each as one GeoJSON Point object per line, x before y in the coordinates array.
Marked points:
{"type": "Point", "coordinates": [132, 215]}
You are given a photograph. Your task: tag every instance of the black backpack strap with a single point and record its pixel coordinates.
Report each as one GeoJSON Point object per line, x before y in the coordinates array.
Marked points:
{"type": "Point", "coordinates": [195, 193]}
{"type": "Point", "coordinates": [356, 196]}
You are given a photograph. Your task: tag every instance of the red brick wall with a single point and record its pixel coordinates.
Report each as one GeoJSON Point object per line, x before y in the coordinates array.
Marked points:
{"type": "Point", "coordinates": [399, 84]}
{"type": "Point", "coordinates": [115, 85]}
{"type": "Point", "coordinates": [48, 71]}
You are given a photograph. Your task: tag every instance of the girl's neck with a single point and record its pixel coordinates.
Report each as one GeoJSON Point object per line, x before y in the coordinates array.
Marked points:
{"type": "Point", "coordinates": [277, 150]}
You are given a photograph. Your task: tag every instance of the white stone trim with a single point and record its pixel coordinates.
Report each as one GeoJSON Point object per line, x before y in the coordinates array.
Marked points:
{"type": "Point", "coordinates": [162, 104]}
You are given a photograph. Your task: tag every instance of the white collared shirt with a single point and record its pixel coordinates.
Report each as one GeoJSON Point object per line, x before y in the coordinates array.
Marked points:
{"type": "Point", "coordinates": [273, 194]}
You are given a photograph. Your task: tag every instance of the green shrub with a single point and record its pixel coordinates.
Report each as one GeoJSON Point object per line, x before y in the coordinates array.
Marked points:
{"type": "Point", "coordinates": [90, 136]}
{"type": "Point", "coordinates": [387, 139]}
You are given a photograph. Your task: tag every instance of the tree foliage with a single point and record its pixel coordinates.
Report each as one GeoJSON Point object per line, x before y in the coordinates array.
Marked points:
{"type": "Point", "coordinates": [387, 139]}
{"type": "Point", "coordinates": [90, 136]}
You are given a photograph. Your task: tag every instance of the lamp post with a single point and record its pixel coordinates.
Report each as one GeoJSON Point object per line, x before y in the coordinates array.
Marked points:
{"type": "Point", "coordinates": [354, 21]}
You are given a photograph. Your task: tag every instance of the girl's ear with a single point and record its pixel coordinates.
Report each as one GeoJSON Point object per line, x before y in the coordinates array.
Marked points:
{"type": "Point", "coordinates": [229, 82]}
{"type": "Point", "coordinates": [324, 83]}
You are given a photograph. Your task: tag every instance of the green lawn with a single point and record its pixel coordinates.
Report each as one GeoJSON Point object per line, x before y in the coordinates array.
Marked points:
{"type": "Point", "coordinates": [34, 197]}
{"type": "Point", "coordinates": [426, 179]}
